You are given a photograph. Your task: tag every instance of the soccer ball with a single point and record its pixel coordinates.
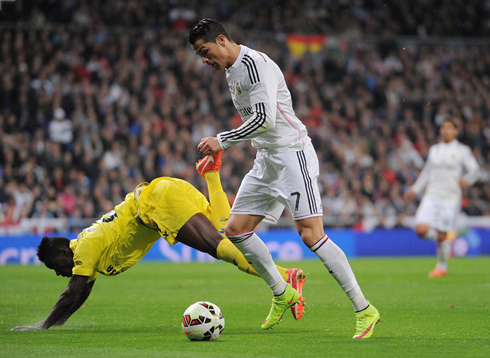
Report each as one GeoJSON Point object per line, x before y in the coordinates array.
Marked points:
{"type": "Point", "coordinates": [203, 321]}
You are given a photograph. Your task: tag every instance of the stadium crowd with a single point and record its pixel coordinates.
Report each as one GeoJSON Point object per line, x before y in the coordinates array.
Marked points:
{"type": "Point", "coordinates": [88, 109]}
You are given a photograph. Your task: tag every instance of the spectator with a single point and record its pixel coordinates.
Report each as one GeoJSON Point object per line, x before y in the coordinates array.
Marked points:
{"type": "Point", "coordinates": [60, 128]}
{"type": "Point", "coordinates": [138, 101]}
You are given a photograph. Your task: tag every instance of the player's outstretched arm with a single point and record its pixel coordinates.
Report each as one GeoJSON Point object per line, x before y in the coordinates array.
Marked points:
{"type": "Point", "coordinates": [66, 303]}
{"type": "Point", "coordinates": [81, 300]}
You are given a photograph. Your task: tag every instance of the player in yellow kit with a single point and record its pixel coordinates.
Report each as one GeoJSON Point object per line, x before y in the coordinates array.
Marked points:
{"type": "Point", "coordinates": [166, 207]}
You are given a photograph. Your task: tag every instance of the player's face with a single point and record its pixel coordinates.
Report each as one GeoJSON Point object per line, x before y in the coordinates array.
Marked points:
{"type": "Point", "coordinates": [448, 132]}
{"type": "Point", "coordinates": [61, 264]}
{"type": "Point", "coordinates": [212, 54]}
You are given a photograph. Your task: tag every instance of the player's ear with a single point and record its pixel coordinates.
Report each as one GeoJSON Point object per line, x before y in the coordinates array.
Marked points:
{"type": "Point", "coordinates": [221, 40]}
{"type": "Point", "coordinates": [65, 251]}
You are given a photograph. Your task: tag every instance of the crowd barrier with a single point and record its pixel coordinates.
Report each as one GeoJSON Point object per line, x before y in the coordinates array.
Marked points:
{"type": "Point", "coordinates": [285, 245]}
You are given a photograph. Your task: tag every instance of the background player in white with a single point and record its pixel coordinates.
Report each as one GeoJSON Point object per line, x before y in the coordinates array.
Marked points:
{"type": "Point", "coordinates": [443, 181]}
{"type": "Point", "coordinates": [285, 171]}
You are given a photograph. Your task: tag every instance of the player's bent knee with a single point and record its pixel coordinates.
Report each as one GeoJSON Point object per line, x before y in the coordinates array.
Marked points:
{"type": "Point", "coordinates": [441, 236]}
{"type": "Point", "coordinates": [306, 234]}
{"type": "Point", "coordinates": [310, 229]}
{"type": "Point", "coordinates": [421, 230]}
{"type": "Point", "coordinates": [240, 224]}
{"type": "Point", "coordinates": [233, 231]}
{"type": "Point", "coordinates": [310, 235]}
{"type": "Point", "coordinates": [232, 228]}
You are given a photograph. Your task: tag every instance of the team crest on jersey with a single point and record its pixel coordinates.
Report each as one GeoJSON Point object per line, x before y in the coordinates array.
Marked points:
{"type": "Point", "coordinates": [238, 89]}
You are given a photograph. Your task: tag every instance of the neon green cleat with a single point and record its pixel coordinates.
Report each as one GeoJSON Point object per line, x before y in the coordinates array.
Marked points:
{"type": "Point", "coordinates": [279, 305]}
{"type": "Point", "coordinates": [366, 320]}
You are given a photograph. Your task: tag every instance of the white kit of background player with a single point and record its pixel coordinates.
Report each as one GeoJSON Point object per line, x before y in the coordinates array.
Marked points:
{"type": "Point", "coordinates": [442, 178]}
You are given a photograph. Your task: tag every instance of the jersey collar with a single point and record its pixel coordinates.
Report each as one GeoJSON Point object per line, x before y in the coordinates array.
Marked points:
{"type": "Point", "coordinates": [243, 49]}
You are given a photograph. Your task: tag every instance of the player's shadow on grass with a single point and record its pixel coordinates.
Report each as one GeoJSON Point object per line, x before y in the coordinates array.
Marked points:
{"type": "Point", "coordinates": [99, 329]}
{"type": "Point", "coordinates": [272, 331]}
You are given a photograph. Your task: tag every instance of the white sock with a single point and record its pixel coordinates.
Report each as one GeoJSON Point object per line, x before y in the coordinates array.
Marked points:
{"type": "Point", "coordinates": [258, 255]}
{"type": "Point", "coordinates": [336, 263]}
{"type": "Point", "coordinates": [443, 252]}
{"type": "Point", "coordinates": [431, 234]}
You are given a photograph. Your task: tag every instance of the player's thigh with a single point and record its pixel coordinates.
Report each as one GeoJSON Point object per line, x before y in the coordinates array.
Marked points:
{"type": "Point", "coordinates": [200, 234]}
{"type": "Point", "coordinates": [256, 198]}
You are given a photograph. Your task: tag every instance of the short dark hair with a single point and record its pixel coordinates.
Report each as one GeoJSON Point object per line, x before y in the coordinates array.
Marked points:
{"type": "Point", "coordinates": [208, 30]}
{"type": "Point", "coordinates": [451, 120]}
{"type": "Point", "coordinates": [50, 247]}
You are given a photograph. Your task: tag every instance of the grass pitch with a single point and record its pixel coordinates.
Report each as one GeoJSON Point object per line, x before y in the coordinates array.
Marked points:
{"type": "Point", "coordinates": [138, 313]}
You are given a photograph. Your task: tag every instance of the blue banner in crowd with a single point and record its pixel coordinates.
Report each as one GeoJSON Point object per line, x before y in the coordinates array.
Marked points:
{"type": "Point", "coordinates": [285, 245]}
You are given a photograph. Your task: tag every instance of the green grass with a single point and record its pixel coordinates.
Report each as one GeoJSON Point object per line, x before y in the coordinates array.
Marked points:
{"type": "Point", "coordinates": [138, 313]}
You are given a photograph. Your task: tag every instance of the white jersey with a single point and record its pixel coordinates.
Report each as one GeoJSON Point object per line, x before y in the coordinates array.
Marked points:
{"type": "Point", "coordinates": [444, 167]}
{"type": "Point", "coordinates": [260, 95]}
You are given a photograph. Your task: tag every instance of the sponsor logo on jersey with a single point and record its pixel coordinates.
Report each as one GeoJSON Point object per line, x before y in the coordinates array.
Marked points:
{"type": "Point", "coordinates": [244, 112]}
{"type": "Point", "coordinates": [111, 270]}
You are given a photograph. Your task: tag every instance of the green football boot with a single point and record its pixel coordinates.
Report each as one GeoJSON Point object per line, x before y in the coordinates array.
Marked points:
{"type": "Point", "coordinates": [366, 320]}
{"type": "Point", "coordinates": [279, 305]}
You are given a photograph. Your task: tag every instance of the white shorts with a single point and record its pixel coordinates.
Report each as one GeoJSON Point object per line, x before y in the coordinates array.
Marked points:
{"type": "Point", "coordinates": [437, 214]}
{"type": "Point", "coordinates": [279, 180]}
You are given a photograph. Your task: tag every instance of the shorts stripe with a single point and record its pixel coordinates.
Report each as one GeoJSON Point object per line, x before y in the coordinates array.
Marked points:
{"type": "Point", "coordinates": [307, 180]}
{"type": "Point", "coordinates": [308, 215]}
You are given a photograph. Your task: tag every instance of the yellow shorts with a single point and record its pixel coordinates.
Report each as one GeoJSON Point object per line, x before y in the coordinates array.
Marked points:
{"type": "Point", "coordinates": [168, 203]}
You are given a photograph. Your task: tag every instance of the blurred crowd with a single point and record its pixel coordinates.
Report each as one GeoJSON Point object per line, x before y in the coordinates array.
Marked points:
{"type": "Point", "coordinates": [89, 109]}
{"type": "Point", "coordinates": [370, 17]}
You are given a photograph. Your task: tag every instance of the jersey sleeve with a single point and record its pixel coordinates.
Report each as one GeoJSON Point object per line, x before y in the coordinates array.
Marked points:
{"type": "Point", "coordinates": [85, 255]}
{"type": "Point", "coordinates": [471, 166]}
{"type": "Point", "coordinates": [261, 82]}
{"type": "Point", "coordinates": [423, 178]}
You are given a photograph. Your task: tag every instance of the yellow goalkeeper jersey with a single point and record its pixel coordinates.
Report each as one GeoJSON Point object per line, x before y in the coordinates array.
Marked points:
{"type": "Point", "coordinates": [123, 236]}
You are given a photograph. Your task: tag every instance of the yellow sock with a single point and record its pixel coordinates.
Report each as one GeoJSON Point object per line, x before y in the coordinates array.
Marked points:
{"type": "Point", "coordinates": [228, 252]}
{"type": "Point", "coordinates": [219, 205]}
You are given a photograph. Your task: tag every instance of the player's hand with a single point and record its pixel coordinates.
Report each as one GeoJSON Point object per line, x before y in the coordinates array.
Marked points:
{"type": "Point", "coordinates": [26, 328]}
{"type": "Point", "coordinates": [463, 183]}
{"type": "Point", "coordinates": [209, 145]}
{"type": "Point", "coordinates": [409, 195]}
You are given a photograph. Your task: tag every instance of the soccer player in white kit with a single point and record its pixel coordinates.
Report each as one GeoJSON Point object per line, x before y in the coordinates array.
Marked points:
{"type": "Point", "coordinates": [284, 174]}
{"type": "Point", "coordinates": [442, 178]}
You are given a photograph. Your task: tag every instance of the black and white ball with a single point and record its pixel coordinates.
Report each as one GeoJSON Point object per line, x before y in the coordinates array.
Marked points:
{"type": "Point", "coordinates": [203, 321]}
